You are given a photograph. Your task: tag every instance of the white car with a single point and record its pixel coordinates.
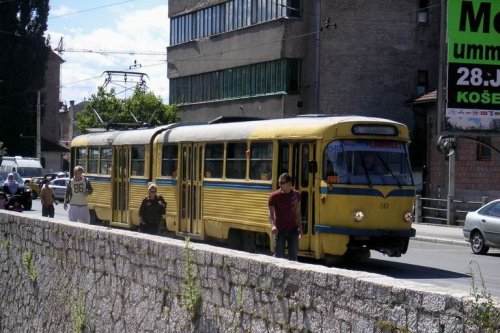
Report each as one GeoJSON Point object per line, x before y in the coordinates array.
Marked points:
{"type": "Point", "coordinates": [482, 227]}
{"type": "Point", "coordinates": [58, 186]}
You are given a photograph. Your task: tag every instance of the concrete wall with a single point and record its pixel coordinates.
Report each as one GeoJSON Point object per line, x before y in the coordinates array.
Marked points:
{"type": "Point", "coordinates": [59, 276]}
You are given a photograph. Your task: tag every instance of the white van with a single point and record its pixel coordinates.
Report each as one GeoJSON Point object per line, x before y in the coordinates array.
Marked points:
{"type": "Point", "coordinates": [27, 167]}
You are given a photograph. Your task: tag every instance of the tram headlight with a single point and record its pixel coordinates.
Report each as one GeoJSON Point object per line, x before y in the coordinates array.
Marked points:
{"type": "Point", "coordinates": [408, 217]}
{"type": "Point", "coordinates": [359, 216]}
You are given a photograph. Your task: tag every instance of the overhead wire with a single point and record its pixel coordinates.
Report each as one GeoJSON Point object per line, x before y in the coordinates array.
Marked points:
{"type": "Point", "coordinates": [216, 54]}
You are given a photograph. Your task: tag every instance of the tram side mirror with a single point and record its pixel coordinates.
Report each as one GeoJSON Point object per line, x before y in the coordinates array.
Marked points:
{"type": "Point", "coordinates": [312, 166]}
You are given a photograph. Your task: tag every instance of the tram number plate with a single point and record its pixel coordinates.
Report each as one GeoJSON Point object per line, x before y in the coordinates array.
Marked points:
{"type": "Point", "coordinates": [384, 205]}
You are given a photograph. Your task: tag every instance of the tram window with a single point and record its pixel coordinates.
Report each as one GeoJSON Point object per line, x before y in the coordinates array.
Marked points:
{"type": "Point", "coordinates": [236, 160]}
{"type": "Point", "coordinates": [214, 158]}
{"type": "Point", "coordinates": [372, 162]}
{"type": "Point", "coordinates": [261, 160]}
{"type": "Point", "coordinates": [283, 161]}
{"type": "Point", "coordinates": [304, 169]}
{"type": "Point", "coordinates": [138, 153]}
{"type": "Point", "coordinates": [81, 157]}
{"type": "Point", "coordinates": [106, 155]}
{"type": "Point", "coordinates": [93, 166]}
{"type": "Point", "coordinates": [169, 161]}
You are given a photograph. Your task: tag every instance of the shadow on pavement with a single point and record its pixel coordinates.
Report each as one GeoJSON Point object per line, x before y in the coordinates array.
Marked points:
{"type": "Point", "coordinates": [402, 270]}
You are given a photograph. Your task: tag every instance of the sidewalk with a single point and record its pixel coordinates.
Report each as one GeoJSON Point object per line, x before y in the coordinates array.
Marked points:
{"type": "Point", "coordinates": [439, 233]}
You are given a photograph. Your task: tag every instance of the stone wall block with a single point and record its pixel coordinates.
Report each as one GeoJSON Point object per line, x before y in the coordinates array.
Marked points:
{"type": "Point", "coordinates": [429, 323]}
{"type": "Point", "coordinates": [434, 302]}
{"type": "Point", "coordinates": [133, 282]}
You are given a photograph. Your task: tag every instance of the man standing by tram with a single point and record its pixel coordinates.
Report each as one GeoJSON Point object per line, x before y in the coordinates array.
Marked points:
{"type": "Point", "coordinates": [284, 216]}
{"type": "Point", "coordinates": [77, 191]}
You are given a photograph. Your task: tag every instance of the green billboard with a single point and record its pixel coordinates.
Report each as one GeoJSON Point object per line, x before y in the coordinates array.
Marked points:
{"type": "Point", "coordinates": [473, 74]}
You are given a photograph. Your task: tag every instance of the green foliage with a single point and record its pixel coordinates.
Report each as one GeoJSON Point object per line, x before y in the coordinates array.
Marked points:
{"type": "Point", "coordinates": [78, 315]}
{"type": "Point", "coordinates": [142, 107]}
{"type": "Point", "coordinates": [389, 326]}
{"type": "Point", "coordinates": [3, 150]}
{"type": "Point", "coordinates": [191, 294]}
{"type": "Point", "coordinates": [23, 60]}
{"type": "Point", "coordinates": [30, 266]}
{"type": "Point", "coordinates": [485, 314]}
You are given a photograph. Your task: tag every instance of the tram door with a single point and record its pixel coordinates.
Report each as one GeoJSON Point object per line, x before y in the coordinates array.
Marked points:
{"type": "Point", "coordinates": [294, 158]}
{"type": "Point", "coordinates": [190, 188]}
{"type": "Point", "coordinates": [121, 184]}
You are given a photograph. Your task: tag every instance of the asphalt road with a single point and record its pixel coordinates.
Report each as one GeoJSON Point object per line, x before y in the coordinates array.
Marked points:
{"type": "Point", "coordinates": [447, 266]}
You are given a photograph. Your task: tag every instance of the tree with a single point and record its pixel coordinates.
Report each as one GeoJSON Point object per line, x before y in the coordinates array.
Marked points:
{"type": "Point", "coordinates": [141, 109]}
{"type": "Point", "coordinates": [3, 150]}
{"type": "Point", "coordinates": [23, 60]}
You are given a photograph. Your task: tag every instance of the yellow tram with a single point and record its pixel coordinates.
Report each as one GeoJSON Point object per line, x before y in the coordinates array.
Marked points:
{"type": "Point", "coordinates": [216, 179]}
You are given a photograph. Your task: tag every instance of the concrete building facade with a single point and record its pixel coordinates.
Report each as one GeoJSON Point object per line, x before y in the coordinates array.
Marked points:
{"type": "Point", "coordinates": [52, 152]}
{"type": "Point", "coordinates": [282, 58]}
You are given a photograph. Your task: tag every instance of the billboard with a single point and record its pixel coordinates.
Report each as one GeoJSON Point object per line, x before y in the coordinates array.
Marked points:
{"type": "Point", "coordinates": [473, 68]}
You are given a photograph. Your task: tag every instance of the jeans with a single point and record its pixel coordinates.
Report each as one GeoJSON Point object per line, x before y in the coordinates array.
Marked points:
{"type": "Point", "coordinates": [291, 237]}
{"type": "Point", "coordinates": [48, 210]}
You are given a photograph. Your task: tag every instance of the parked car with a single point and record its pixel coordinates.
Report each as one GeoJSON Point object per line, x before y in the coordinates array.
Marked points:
{"type": "Point", "coordinates": [482, 227]}
{"type": "Point", "coordinates": [25, 191]}
{"type": "Point", "coordinates": [36, 186]}
{"type": "Point", "coordinates": [58, 186]}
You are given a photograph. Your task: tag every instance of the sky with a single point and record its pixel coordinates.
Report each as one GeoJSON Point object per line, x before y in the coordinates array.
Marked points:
{"type": "Point", "coordinates": [126, 28]}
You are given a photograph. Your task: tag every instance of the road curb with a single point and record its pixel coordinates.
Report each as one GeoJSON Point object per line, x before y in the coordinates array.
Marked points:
{"type": "Point", "coordinates": [446, 241]}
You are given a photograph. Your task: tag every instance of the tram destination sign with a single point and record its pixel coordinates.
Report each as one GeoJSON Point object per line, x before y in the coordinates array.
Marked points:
{"type": "Point", "coordinates": [473, 76]}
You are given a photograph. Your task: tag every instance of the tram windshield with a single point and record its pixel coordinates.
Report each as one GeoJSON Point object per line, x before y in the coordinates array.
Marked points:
{"type": "Point", "coordinates": [367, 162]}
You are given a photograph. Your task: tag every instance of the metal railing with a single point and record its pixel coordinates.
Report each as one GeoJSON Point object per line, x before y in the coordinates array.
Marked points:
{"type": "Point", "coordinates": [437, 211]}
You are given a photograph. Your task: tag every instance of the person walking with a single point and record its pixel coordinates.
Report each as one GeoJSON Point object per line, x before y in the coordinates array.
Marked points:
{"type": "Point", "coordinates": [151, 212]}
{"type": "Point", "coordinates": [47, 199]}
{"type": "Point", "coordinates": [285, 219]}
{"type": "Point", "coordinates": [77, 191]}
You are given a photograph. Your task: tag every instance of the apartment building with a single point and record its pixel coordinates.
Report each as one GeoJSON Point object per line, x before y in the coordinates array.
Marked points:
{"type": "Point", "coordinates": [282, 58]}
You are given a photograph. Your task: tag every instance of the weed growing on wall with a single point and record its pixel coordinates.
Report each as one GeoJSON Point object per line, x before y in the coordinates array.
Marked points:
{"type": "Point", "coordinates": [390, 327]}
{"type": "Point", "coordinates": [485, 315]}
{"type": "Point", "coordinates": [239, 306]}
{"type": "Point", "coordinates": [78, 316]}
{"type": "Point", "coordinates": [30, 266]}
{"type": "Point", "coordinates": [191, 294]}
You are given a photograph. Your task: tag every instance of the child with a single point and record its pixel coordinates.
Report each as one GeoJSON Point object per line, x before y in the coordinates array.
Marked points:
{"type": "Point", "coordinates": [47, 198]}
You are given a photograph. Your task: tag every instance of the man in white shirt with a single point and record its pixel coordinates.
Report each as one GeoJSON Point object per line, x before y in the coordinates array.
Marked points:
{"type": "Point", "coordinates": [77, 191]}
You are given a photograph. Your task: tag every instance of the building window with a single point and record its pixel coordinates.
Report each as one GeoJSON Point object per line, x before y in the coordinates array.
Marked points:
{"type": "Point", "coordinates": [423, 11]}
{"type": "Point", "coordinates": [422, 82]}
{"type": "Point", "coordinates": [274, 77]}
{"type": "Point", "coordinates": [228, 16]}
{"type": "Point", "coordinates": [483, 153]}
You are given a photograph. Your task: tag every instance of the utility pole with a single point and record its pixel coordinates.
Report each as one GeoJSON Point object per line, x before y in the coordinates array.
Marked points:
{"type": "Point", "coordinates": [38, 126]}
{"type": "Point", "coordinates": [317, 8]}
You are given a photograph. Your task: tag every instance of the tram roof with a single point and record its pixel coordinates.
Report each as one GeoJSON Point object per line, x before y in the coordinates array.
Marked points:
{"type": "Point", "coordinates": [312, 127]}
{"type": "Point", "coordinates": [140, 136]}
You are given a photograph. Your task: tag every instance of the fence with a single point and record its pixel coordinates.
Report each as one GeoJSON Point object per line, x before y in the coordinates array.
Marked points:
{"type": "Point", "coordinates": [444, 211]}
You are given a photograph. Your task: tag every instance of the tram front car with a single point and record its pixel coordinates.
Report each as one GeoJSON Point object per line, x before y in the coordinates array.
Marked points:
{"type": "Point", "coordinates": [367, 191]}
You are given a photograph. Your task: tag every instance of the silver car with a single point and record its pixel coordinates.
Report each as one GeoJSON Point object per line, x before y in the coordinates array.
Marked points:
{"type": "Point", "coordinates": [482, 227]}
{"type": "Point", "coordinates": [58, 186]}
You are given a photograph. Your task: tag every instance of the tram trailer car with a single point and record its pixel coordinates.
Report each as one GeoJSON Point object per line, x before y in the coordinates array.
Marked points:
{"type": "Point", "coordinates": [216, 179]}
